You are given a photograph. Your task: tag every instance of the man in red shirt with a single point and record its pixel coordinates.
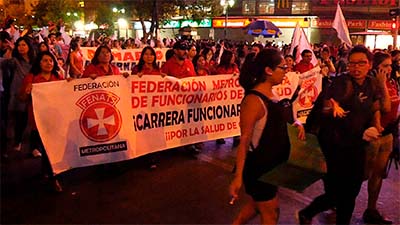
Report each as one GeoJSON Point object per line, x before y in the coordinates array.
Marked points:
{"type": "Point", "coordinates": [305, 63]}
{"type": "Point", "coordinates": [178, 65]}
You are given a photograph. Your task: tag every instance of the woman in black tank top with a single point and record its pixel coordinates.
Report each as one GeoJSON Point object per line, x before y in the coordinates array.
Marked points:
{"type": "Point", "coordinates": [257, 77]}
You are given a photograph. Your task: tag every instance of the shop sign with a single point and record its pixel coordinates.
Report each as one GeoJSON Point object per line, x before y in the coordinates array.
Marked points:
{"type": "Point", "coordinates": [243, 22]}
{"type": "Point", "coordinates": [232, 22]}
{"type": "Point", "coordinates": [172, 24]}
{"type": "Point", "coordinates": [321, 23]}
{"type": "Point", "coordinates": [359, 2]}
{"type": "Point", "coordinates": [380, 24]}
{"type": "Point", "coordinates": [318, 23]}
{"type": "Point", "coordinates": [193, 23]}
{"type": "Point", "coordinates": [361, 24]}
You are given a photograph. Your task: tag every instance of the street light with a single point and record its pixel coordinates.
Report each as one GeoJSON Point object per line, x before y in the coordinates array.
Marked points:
{"type": "Point", "coordinates": [120, 22]}
{"type": "Point", "coordinates": [226, 4]}
{"type": "Point", "coordinates": [123, 24]}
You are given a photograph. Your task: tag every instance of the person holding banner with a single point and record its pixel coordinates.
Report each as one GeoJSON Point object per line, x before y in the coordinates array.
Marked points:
{"type": "Point", "coordinates": [227, 65]}
{"type": "Point", "coordinates": [44, 69]}
{"type": "Point", "coordinates": [147, 63]}
{"type": "Point", "coordinates": [179, 65]}
{"type": "Point", "coordinates": [264, 141]}
{"type": "Point", "coordinates": [200, 66]}
{"type": "Point", "coordinates": [305, 63]}
{"type": "Point", "coordinates": [101, 64]}
{"type": "Point", "coordinates": [350, 114]}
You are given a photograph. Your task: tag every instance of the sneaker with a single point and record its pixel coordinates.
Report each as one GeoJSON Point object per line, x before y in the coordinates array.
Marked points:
{"type": "Point", "coordinates": [192, 149]}
{"type": "Point", "coordinates": [372, 216]}
{"type": "Point", "coordinates": [36, 153]}
{"type": "Point", "coordinates": [302, 219]}
{"type": "Point", "coordinates": [18, 147]}
{"type": "Point", "coordinates": [220, 141]}
{"type": "Point", "coordinates": [236, 141]}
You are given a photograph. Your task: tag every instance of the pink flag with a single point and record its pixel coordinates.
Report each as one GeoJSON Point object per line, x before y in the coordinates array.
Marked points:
{"type": "Point", "coordinates": [340, 25]}
{"type": "Point", "coordinates": [295, 38]}
{"type": "Point", "coordinates": [300, 41]}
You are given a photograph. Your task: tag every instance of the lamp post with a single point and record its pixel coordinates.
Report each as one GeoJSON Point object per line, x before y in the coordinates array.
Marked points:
{"type": "Point", "coordinates": [122, 23]}
{"type": "Point", "coordinates": [226, 4]}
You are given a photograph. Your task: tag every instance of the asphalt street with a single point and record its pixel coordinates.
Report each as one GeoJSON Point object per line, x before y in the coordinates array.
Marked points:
{"type": "Point", "coordinates": [183, 189]}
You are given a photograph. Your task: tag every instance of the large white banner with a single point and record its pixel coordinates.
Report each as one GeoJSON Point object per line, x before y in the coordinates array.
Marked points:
{"type": "Point", "coordinates": [85, 122]}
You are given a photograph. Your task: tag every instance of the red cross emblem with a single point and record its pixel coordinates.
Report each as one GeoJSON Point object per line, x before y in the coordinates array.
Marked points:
{"type": "Point", "coordinates": [308, 96]}
{"type": "Point", "coordinates": [100, 120]}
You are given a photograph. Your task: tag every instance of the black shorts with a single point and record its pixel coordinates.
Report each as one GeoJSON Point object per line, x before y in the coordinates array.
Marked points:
{"type": "Point", "coordinates": [258, 190]}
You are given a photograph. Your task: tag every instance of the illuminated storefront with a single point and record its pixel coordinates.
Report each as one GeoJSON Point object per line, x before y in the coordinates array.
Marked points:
{"type": "Point", "coordinates": [316, 18]}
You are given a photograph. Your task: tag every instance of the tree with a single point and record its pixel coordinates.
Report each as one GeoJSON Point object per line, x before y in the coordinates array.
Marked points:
{"type": "Point", "coordinates": [161, 11]}
{"type": "Point", "coordinates": [67, 11]}
{"type": "Point", "coordinates": [105, 19]}
{"type": "Point", "coordinates": [13, 11]}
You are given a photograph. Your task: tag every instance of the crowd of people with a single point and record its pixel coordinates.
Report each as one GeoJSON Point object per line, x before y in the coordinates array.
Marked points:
{"type": "Point", "coordinates": [355, 117]}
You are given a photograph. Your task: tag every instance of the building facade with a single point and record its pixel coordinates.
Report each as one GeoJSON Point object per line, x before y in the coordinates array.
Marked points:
{"type": "Point", "coordinates": [366, 19]}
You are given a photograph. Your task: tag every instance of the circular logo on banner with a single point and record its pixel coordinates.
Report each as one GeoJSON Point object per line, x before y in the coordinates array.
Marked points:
{"type": "Point", "coordinates": [308, 96]}
{"type": "Point", "coordinates": [100, 120]}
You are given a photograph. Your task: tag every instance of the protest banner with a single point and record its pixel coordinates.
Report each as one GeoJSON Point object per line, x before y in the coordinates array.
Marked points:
{"type": "Point", "coordinates": [125, 59]}
{"type": "Point", "coordinates": [310, 87]}
{"type": "Point", "coordinates": [286, 89]}
{"type": "Point", "coordinates": [86, 122]}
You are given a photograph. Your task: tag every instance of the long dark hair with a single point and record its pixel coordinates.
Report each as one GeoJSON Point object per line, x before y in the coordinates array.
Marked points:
{"type": "Point", "coordinates": [36, 69]}
{"type": "Point", "coordinates": [378, 58]}
{"type": "Point", "coordinates": [95, 59]}
{"type": "Point", "coordinates": [226, 58]}
{"type": "Point", "coordinates": [43, 43]}
{"type": "Point", "coordinates": [141, 61]}
{"type": "Point", "coordinates": [31, 51]}
{"type": "Point", "coordinates": [72, 47]}
{"type": "Point", "coordinates": [252, 72]}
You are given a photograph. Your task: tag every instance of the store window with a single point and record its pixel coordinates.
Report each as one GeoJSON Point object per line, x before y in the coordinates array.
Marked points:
{"type": "Point", "coordinates": [249, 7]}
{"type": "Point", "coordinates": [266, 7]}
{"type": "Point", "coordinates": [300, 7]}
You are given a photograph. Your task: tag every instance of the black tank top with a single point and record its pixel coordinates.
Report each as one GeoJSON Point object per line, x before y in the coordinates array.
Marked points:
{"type": "Point", "coordinates": [274, 145]}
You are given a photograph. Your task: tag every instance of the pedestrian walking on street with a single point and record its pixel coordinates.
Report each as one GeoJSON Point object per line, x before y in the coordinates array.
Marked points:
{"type": "Point", "coordinates": [379, 150]}
{"type": "Point", "coordinates": [264, 141]}
{"type": "Point", "coordinates": [350, 114]}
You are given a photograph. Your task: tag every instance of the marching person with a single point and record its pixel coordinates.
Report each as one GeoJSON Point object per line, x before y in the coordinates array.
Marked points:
{"type": "Point", "coordinates": [101, 64]}
{"type": "Point", "coordinates": [379, 150]}
{"type": "Point", "coordinates": [264, 141]}
{"type": "Point", "coordinates": [179, 65]}
{"type": "Point", "coordinates": [15, 70]}
{"type": "Point", "coordinates": [44, 69]}
{"type": "Point", "coordinates": [351, 112]}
